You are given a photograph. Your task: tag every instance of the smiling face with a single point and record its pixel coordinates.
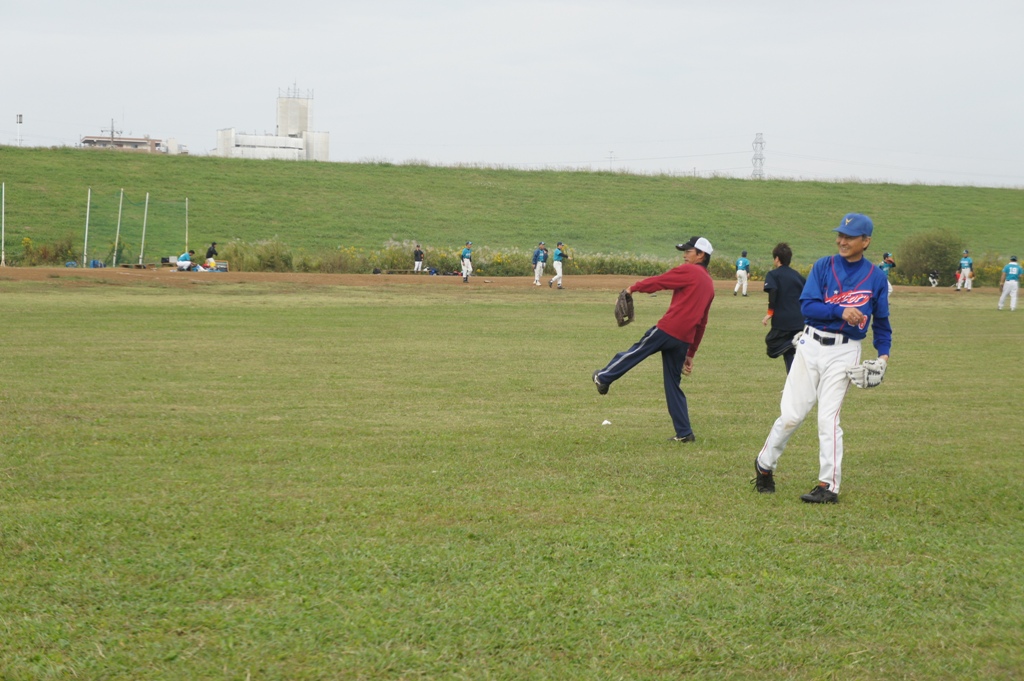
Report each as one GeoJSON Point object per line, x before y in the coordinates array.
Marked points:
{"type": "Point", "coordinates": [852, 247]}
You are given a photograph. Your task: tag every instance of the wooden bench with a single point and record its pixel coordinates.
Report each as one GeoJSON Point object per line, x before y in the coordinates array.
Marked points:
{"type": "Point", "coordinates": [401, 271]}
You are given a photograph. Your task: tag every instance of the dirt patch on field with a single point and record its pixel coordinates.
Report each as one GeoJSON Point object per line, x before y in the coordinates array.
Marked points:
{"type": "Point", "coordinates": [167, 277]}
{"type": "Point", "coordinates": [164, 276]}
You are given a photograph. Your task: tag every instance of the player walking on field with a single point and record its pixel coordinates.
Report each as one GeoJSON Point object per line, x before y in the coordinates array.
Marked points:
{"type": "Point", "coordinates": [540, 256]}
{"type": "Point", "coordinates": [742, 274]}
{"type": "Point", "coordinates": [965, 273]}
{"type": "Point", "coordinates": [1009, 283]}
{"type": "Point", "coordinates": [783, 286]}
{"type": "Point", "coordinates": [677, 334]}
{"type": "Point", "coordinates": [560, 256]}
{"type": "Point", "coordinates": [467, 261]}
{"type": "Point", "coordinates": [843, 295]}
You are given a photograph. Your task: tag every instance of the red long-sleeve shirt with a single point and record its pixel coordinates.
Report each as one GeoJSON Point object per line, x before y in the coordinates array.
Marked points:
{"type": "Point", "coordinates": [692, 293]}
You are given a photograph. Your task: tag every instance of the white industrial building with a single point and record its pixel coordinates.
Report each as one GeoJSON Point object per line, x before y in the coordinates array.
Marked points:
{"type": "Point", "coordinates": [294, 141]}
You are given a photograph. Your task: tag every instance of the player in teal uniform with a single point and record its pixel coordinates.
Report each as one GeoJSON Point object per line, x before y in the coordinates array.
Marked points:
{"type": "Point", "coordinates": [467, 261]}
{"type": "Point", "coordinates": [540, 256]}
{"type": "Point", "coordinates": [965, 273]}
{"type": "Point", "coordinates": [887, 265]}
{"type": "Point", "coordinates": [742, 274]}
{"type": "Point", "coordinates": [560, 256]}
{"type": "Point", "coordinates": [1009, 283]}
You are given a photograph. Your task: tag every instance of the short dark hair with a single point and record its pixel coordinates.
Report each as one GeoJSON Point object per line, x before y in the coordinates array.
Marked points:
{"type": "Point", "coordinates": [784, 253]}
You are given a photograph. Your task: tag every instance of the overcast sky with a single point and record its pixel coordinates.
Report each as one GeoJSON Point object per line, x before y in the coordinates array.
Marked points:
{"type": "Point", "coordinates": [926, 91]}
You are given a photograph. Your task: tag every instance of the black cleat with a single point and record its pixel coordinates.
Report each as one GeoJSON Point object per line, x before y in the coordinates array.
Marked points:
{"type": "Point", "coordinates": [688, 438]}
{"type": "Point", "coordinates": [550, 283]}
{"type": "Point", "coordinates": [602, 388]}
{"type": "Point", "coordinates": [764, 482]}
{"type": "Point", "coordinates": [821, 495]}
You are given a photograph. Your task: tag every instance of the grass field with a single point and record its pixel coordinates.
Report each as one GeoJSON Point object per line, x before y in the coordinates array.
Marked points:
{"type": "Point", "coordinates": [293, 481]}
{"type": "Point", "coordinates": [314, 207]}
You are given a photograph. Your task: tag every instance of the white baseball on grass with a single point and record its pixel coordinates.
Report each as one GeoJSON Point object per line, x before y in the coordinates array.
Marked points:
{"type": "Point", "coordinates": [606, 422]}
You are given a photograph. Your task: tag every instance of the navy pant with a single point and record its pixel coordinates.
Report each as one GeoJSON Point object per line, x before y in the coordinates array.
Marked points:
{"type": "Point", "coordinates": [673, 355]}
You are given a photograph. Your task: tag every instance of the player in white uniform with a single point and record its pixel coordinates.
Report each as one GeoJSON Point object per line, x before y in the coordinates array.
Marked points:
{"type": "Point", "coordinates": [966, 272]}
{"type": "Point", "coordinates": [467, 261]}
{"type": "Point", "coordinates": [561, 255]}
{"type": "Point", "coordinates": [742, 274]}
{"type": "Point", "coordinates": [540, 256]}
{"type": "Point", "coordinates": [1009, 283]}
{"type": "Point", "coordinates": [843, 295]}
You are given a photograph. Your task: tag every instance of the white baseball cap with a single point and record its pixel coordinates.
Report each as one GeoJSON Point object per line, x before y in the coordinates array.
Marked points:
{"type": "Point", "coordinates": [698, 242]}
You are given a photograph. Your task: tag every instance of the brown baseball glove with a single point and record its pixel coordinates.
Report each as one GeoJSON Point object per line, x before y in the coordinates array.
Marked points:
{"type": "Point", "coordinates": [624, 308]}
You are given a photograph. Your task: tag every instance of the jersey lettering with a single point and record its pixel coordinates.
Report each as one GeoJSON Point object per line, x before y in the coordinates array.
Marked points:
{"type": "Point", "coordinates": [850, 298]}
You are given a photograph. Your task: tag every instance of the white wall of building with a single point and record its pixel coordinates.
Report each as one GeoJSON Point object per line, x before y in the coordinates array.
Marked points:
{"type": "Point", "coordinates": [294, 140]}
{"type": "Point", "coordinates": [294, 116]}
{"type": "Point", "coordinates": [318, 146]}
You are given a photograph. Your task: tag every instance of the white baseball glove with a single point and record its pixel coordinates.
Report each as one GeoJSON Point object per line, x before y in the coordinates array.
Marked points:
{"type": "Point", "coordinates": [867, 374]}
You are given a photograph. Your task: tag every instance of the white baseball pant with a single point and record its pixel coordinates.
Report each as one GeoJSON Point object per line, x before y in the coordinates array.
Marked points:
{"type": "Point", "coordinates": [538, 272]}
{"type": "Point", "coordinates": [557, 279]}
{"type": "Point", "coordinates": [741, 281]}
{"type": "Point", "coordinates": [418, 266]}
{"type": "Point", "coordinates": [964, 280]}
{"type": "Point", "coordinates": [1010, 287]}
{"type": "Point", "coordinates": [467, 267]}
{"type": "Point", "coordinates": [818, 376]}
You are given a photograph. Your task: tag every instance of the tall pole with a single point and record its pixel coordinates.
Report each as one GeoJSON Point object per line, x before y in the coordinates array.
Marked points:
{"type": "Point", "coordinates": [186, 224]}
{"type": "Point", "coordinates": [117, 235]}
{"type": "Point", "coordinates": [3, 224]}
{"type": "Point", "coordinates": [85, 246]}
{"type": "Point", "coordinates": [145, 216]}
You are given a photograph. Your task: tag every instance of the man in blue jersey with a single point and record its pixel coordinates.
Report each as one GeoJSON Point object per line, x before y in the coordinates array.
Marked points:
{"type": "Point", "coordinates": [540, 256]}
{"type": "Point", "coordinates": [467, 261]}
{"type": "Point", "coordinates": [742, 274]}
{"type": "Point", "coordinates": [965, 272]}
{"type": "Point", "coordinates": [1009, 283]}
{"type": "Point", "coordinates": [843, 295]}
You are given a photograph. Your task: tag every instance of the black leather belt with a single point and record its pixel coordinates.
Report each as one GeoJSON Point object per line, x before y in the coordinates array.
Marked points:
{"type": "Point", "coordinates": [827, 340]}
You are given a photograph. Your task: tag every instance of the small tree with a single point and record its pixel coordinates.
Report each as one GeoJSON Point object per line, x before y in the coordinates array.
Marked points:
{"type": "Point", "coordinates": [938, 250]}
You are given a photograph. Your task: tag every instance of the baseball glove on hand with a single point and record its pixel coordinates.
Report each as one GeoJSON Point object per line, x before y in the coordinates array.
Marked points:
{"type": "Point", "coordinates": [624, 308]}
{"type": "Point", "coordinates": [867, 374]}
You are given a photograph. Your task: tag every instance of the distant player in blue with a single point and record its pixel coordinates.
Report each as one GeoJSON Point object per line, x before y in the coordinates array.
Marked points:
{"type": "Point", "coordinates": [1010, 282]}
{"type": "Point", "coordinates": [561, 255]}
{"type": "Point", "coordinates": [887, 265]}
{"type": "Point", "coordinates": [467, 261]}
{"type": "Point", "coordinates": [843, 295]}
{"type": "Point", "coordinates": [540, 256]}
{"type": "Point", "coordinates": [965, 272]}
{"type": "Point", "coordinates": [742, 274]}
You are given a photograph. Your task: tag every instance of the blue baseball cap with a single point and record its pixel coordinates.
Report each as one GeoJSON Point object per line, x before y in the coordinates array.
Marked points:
{"type": "Point", "coordinates": [855, 224]}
